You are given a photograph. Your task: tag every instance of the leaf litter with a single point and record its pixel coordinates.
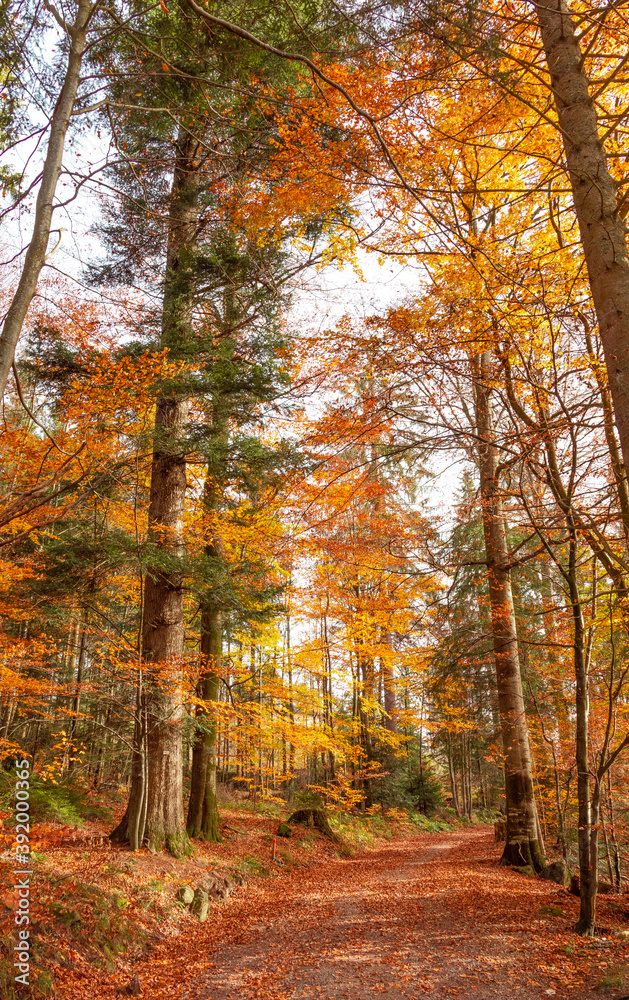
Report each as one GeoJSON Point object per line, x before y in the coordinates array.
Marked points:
{"type": "Point", "coordinates": [426, 916]}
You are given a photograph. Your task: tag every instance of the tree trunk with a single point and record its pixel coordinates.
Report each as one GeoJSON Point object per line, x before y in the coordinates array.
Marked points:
{"type": "Point", "coordinates": [76, 701]}
{"type": "Point", "coordinates": [388, 683]}
{"type": "Point", "coordinates": [610, 805]}
{"type": "Point", "coordinates": [163, 638]}
{"type": "Point", "coordinates": [453, 784]}
{"type": "Point", "coordinates": [522, 846]}
{"type": "Point", "coordinates": [35, 256]}
{"type": "Point", "coordinates": [291, 703]}
{"type": "Point", "coordinates": [602, 228]}
{"type": "Point", "coordinates": [163, 610]}
{"type": "Point", "coordinates": [587, 829]}
{"type": "Point", "coordinates": [130, 829]}
{"type": "Point", "coordinates": [588, 836]}
{"type": "Point", "coordinates": [329, 702]}
{"type": "Point", "coordinates": [203, 805]}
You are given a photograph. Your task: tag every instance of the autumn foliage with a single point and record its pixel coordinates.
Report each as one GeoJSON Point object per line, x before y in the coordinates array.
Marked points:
{"type": "Point", "coordinates": [259, 544]}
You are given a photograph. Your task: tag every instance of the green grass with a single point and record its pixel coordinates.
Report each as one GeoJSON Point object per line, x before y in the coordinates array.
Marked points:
{"type": "Point", "coordinates": [271, 809]}
{"type": "Point", "coordinates": [360, 831]}
{"type": "Point", "coordinates": [41, 983]}
{"type": "Point", "coordinates": [95, 923]}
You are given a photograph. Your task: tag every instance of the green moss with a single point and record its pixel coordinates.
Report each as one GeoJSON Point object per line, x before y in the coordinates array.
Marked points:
{"type": "Point", "coordinates": [41, 982]}
{"type": "Point", "coordinates": [69, 918]}
{"type": "Point", "coordinates": [97, 924]}
{"type": "Point", "coordinates": [178, 844]}
{"type": "Point", "coordinates": [156, 842]}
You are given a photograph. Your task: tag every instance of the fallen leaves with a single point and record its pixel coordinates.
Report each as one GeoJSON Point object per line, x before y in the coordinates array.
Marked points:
{"type": "Point", "coordinates": [427, 916]}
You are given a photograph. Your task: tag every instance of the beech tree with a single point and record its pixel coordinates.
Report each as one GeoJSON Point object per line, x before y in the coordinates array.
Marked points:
{"type": "Point", "coordinates": [522, 844]}
{"type": "Point", "coordinates": [595, 196]}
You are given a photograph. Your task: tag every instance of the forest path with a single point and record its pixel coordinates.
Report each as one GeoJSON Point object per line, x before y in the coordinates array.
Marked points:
{"type": "Point", "coordinates": [430, 917]}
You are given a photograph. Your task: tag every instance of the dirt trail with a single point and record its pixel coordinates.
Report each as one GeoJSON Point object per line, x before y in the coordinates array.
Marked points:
{"type": "Point", "coordinates": [431, 917]}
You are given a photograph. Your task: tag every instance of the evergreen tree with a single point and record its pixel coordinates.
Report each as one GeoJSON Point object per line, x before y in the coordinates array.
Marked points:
{"type": "Point", "coordinates": [216, 282]}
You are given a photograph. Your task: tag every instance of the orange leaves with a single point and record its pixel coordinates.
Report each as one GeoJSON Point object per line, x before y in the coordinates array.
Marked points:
{"type": "Point", "coordinates": [112, 398]}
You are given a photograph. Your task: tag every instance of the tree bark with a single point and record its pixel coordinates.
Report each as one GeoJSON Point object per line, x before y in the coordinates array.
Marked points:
{"type": "Point", "coordinates": [452, 772]}
{"type": "Point", "coordinates": [388, 683]}
{"type": "Point", "coordinates": [35, 256]}
{"type": "Point", "coordinates": [291, 704]}
{"type": "Point", "coordinates": [587, 825]}
{"type": "Point", "coordinates": [163, 634]}
{"type": "Point", "coordinates": [130, 829]}
{"type": "Point", "coordinates": [602, 229]}
{"type": "Point", "coordinates": [203, 805]}
{"type": "Point", "coordinates": [203, 814]}
{"type": "Point", "coordinates": [522, 846]}
{"type": "Point", "coordinates": [588, 845]}
{"type": "Point", "coordinates": [617, 880]}
{"type": "Point", "coordinates": [76, 700]}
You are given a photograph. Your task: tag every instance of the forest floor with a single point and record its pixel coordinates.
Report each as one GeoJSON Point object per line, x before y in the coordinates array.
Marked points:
{"type": "Point", "coordinates": [433, 916]}
{"type": "Point", "coordinates": [423, 915]}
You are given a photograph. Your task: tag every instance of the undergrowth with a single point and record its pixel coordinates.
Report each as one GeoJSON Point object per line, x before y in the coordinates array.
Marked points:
{"type": "Point", "coordinates": [68, 803]}
{"type": "Point", "coordinates": [366, 829]}
{"type": "Point", "coordinates": [41, 982]}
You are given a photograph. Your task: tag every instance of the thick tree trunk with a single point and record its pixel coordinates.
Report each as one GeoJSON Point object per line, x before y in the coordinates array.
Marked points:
{"type": "Point", "coordinates": [163, 634]}
{"type": "Point", "coordinates": [522, 846]}
{"type": "Point", "coordinates": [35, 256]}
{"type": "Point", "coordinates": [156, 801]}
{"type": "Point", "coordinates": [602, 229]}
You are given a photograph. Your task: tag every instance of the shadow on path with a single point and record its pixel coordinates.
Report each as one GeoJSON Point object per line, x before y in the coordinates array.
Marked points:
{"type": "Point", "coordinates": [432, 917]}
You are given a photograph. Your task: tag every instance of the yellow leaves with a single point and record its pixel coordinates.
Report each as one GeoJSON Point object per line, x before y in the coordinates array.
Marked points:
{"type": "Point", "coordinates": [339, 795]}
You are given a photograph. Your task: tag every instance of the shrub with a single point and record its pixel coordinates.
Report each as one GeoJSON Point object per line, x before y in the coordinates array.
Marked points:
{"type": "Point", "coordinates": [425, 788]}
{"type": "Point", "coordinates": [64, 803]}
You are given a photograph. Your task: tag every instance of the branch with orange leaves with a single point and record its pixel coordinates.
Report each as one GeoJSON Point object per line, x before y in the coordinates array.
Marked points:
{"type": "Point", "coordinates": [39, 495]}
